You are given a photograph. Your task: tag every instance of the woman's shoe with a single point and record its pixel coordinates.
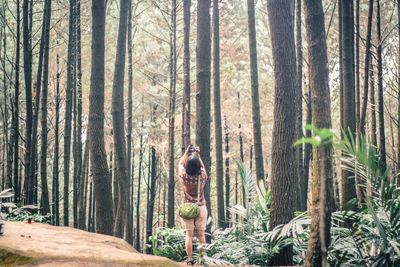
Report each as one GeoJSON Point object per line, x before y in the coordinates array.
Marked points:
{"type": "Point", "coordinates": [192, 262]}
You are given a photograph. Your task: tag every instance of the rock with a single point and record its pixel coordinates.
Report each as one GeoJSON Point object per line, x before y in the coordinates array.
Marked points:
{"type": "Point", "coordinates": [46, 245]}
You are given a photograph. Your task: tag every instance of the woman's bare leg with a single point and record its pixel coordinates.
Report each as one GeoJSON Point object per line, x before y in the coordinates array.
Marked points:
{"type": "Point", "coordinates": [188, 244]}
{"type": "Point", "coordinates": [202, 240]}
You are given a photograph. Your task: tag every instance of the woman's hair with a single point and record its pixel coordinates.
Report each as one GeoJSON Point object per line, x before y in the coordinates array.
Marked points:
{"type": "Point", "coordinates": [193, 165]}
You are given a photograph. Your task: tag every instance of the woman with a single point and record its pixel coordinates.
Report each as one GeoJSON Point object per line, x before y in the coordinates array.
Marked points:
{"type": "Point", "coordinates": [191, 171]}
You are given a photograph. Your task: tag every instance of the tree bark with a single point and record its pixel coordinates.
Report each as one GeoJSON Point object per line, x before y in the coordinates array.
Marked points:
{"type": "Point", "coordinates": [255, 99]}
{"type": "Point", "coordinates": [28, 98]}
{"type": "Point", "coordinates": [153, 190]}
{"type": "Point", "coordinates": [366, 70]}
{"type": "Point", "coordinates": [15, 119]}
{"type": "Point", "coordinates": [227, 176]}
{"type": "Point", "coordinates": [137, 239]}
{"type": "Point", "coordinates": [372, 104]}
{"type": "Point", "coordinates": [186, 66]}
{"type": "Point", "coordinates": [283, 163]}
{"type": "Point", "coordinates": [218, 119]}
{"type": "Point", "coordinates": [55, 182]}
{"type": "Point", "coordinates": [98, 160]}
{"type": "Point", "coordinates": [348, 115]}
{"type": "Point", "coordinates": [171, 119]}
{"type": "Point", "coordinates": [68, 108]}
{"type": "Point", "coordinates": [381, 112]}
{"type": "Point", "coordinates": [118, 122]}
{"type": "Point", "coordinates": [203, 117]}
{"type": "Point", "coordinates": [45, 202]}
{"type": "Point", "coordinates": [129, 228]}
{"type": "Point", "coordinates": [301, 198]}
{"type": "Point", "coordinates": [322, 171]}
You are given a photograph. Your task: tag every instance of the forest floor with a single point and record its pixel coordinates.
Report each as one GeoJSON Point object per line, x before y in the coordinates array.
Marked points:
{"type": "Point", "coordinates": [45, 245]}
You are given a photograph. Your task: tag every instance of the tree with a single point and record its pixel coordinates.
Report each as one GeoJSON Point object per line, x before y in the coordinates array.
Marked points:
{"type": "Point", "coordinates": [227, 175]}
{"type": "Point", "coordinates": [186, 64]}
{"type": "Point", "coordinates": [348, 112]}
{"type": "Point", "coordinates": [15, 115]}
{"type": "Point", "coordinates": [27, 46]}
{"type": "Point", "coordinates": [301, 190]}
{"type": "Point", "coordinates": [171, 119]}
{"type": "Point", "coordinates": [118, 122]}
{"type": "Point", "coordinates": [98, 158]}
{"type": "Point", "coordinates": [203, 62]}
{"type": "Point", "coordinates": [218, 118]}
{"type": "Point", "coordinates": [257, 140]}
{"type": "Point", "coordinates": [150, 205]}
{"type": "Point", "coordinates": [381, 112]}
{"type": "Point", "coordinates": [283, 163]}
{"type": "Point", "coordinates": [45, 202]}
{"type": "Point", "coordinates": [68, 108]}
{"type": "Point", "coordinates": [322, 172]}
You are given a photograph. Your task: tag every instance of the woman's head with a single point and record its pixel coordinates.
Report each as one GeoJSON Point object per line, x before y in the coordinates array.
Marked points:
{"type": "Point", "coordinates": [193, 166]}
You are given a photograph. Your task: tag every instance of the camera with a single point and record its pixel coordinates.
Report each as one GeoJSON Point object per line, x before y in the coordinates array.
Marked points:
{"type": "Point", "coordinates": [193, 149]}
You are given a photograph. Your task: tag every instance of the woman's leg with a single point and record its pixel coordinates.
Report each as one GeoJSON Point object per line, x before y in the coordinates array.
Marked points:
{"type": "Point", "coordinates": [188, 244]}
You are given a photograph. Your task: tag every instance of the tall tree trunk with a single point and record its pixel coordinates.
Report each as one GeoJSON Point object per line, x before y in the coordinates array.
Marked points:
{"type": "Point", "coordinates": [366, 70]}
{"type": "Point", "coordinates": [78, 146]}
{"type": "Point", "coordinates": [322, 171]}
{"type": "Point", "coordinates": [83, 189]}
{"type": "Point", "coordinates": [227, 175]}
{"type": "Point", "coordinates": [98, 158]}
{"type": "Point", "coordinates": [372, 104]}
{"type": "Point", "coordinates": [218, 119]}
{"type": "Point", "coordinates": [68, 108]}
{"type": "Point", "coordinates": [283, 163]}
{"type": "Point", "coordinates": [381, 112]}
{"type": "Point", "coordinates": [27, 35]}
{"type": "Point", "coordinates": [45, 202]}
{"type": "Point", "coordinates": [171, 119]}
{"type": "Point", "coordinates": [137, 239]}
{"type": "Point", "coordinates": [55, 182]}
{"type": "Point", "coordinates": [307, 152]}
{"type": "Point", "coordinates": [357, 68]}
{"type": "Point", "coordinates": [398, 93]}
{"type": "Point", "coordinates": [257, 140]}
{"type": "Point", "coordinates": [348, 115]}
{"type": "Point", "coordinates": [241, 152]}
{"type": "Point", "coordinates": [37, 92]}
{"type": "Point", "coordinates": [118, 122]}
{"type": "Point", "coordinates": [301, 198]}
{"type": "Point", "coordinates": [15, 120]}
{"type": "Point", "coordinates": [129, 228]}
{"type": "Point", "coordinates": [186, 66]}
{"type": "Point", "coordinates": [203, 116]}
{"type": "Point", "coordinates": [153, 190]}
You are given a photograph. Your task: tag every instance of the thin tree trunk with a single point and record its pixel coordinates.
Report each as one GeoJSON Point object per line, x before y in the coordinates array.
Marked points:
{"type": "Point", "coordinates": [307, 152]}
{"type": "Point", "coordinates": [322, 171]}
{"type": "Point", "coordinates": [203, 116]}
{"type": "Point", "coordinates": [283, 180]}
{"type": "Point", "coordinates": [28, 98]}
{"type": "Point", "coordinates": [150, 204]}
{"type": "Point", "coordinates": [349, 124]}
{"type": "Point", "coordinates": [137, 239]}
{"type": "Point", "coordinates": [118, 123]}
{"type": "Point", "coordinates": [45, 202]}
{"type": "Point", "coordinates": [15, 120]}
{"type": "Point", "coordinates": [227, 176]}
{"type": "Point", "coordinates": [218, 119]}
{"type": "Point", "coordinates": [366, 70]}
{"type": "Point", "coordinates": [301, 199]}
{"type": "Point", "coordinates": [129, 228]}
{"type": "Point", "coordinates": [372, 104]}
{"type": "Point", "coordinates": [398, 94]}
{"type": "Point", "coordinates": [381, 113]}
{"type": "Point", "coordinates": [98, 158]}
{"type": "Point", "coordinates": [82, 189]}
{"type": "Point", "coordinates": [34, 138]}
{"type": "Point", "coordinates": [55, 183]}
{"type": "Point", "coordinates": [68, 109]}
{"type": "Point", "coordinates": [186, 66]}
{"type": "Point", "coordinates": [357, 68]}
{"type": "Point", "coordinates": [171, 119]}
{"type": "Point", "coordinates": [257, 136]}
